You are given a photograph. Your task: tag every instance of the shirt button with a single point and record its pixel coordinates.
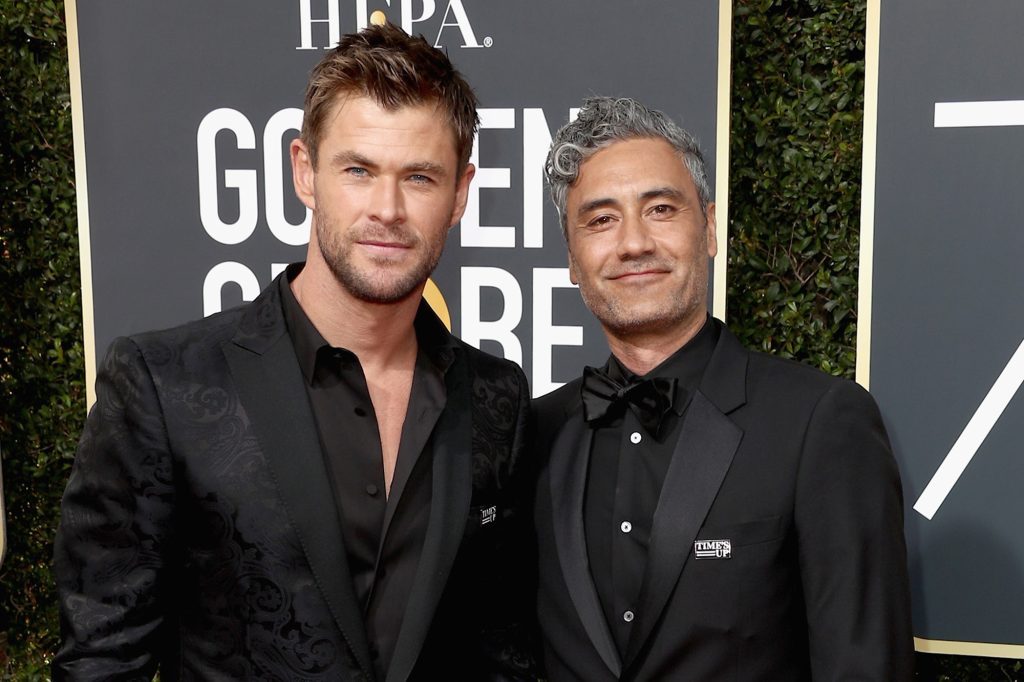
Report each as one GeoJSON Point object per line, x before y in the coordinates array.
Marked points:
{"type": "Point", "coordinates": [626, 526]}
{"type": "Point", "coordinates": [372, 490]}
{"type": "Point", "coordinates": [635, 437]}
{"type": "Point", "coordinates": [628, 616]}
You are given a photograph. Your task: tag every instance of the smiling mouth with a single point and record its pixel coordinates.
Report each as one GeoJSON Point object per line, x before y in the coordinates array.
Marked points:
{"type": "Point", "coordinates": [638, 275]}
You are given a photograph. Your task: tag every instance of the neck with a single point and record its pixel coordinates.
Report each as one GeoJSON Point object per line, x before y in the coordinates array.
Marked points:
{"type": "Point", "coordinates": [641, 351]}
{"type": "Point", "coordinates": [378, 333]}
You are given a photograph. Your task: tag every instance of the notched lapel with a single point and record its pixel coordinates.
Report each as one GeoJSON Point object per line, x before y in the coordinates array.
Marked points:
{"type": "Point", "coordinates": [707, 444]}
{"type": "Point", "coordinates": [568, 477]}
{"type": "Point", "coordinates": [449, 510]}
{"type": "Point", "coordinates": [263, 365]}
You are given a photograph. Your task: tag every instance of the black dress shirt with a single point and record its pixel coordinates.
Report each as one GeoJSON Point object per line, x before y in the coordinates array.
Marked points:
{"type": "Point", "coordinates": [383, 533]}
{"type": "Point", "coordinates": [624, 479]}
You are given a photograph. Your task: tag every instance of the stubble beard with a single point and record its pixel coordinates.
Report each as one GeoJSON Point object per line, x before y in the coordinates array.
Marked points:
{"type": "Point", "coordinates": [384, 281]}
{"type": "Point", "coordinates": [622, 318]}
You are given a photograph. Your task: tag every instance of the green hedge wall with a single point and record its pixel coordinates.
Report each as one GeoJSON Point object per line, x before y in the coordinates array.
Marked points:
{"type": "Point", "coordinates": [794, 201]}
{"type": "Point", "coordinates": [42, 407]}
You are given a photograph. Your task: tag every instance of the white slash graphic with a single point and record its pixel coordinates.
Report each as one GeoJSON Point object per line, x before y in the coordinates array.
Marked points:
{"type": "Point", "coordinates": [973, 436]}
{"type": "Point", "coordinates": [979, 114]}
{"type": "Point", "coordinates": [975, 115]}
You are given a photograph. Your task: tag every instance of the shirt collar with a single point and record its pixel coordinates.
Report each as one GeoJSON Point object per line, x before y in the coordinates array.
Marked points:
{"type": "Point", "coordinates": [686, 364]}
{"type": "Point", "coordinates": [433, 337]}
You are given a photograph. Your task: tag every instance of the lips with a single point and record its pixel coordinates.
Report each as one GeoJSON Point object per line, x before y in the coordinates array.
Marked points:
{"type": "Point", "coordinates": [638, 274]}
{"type": "Point", "coordinates": [383, 244]}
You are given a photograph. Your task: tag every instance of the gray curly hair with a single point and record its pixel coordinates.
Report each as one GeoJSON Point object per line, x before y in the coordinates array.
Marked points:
{"type": "Point", "coordinates": [604, 120]}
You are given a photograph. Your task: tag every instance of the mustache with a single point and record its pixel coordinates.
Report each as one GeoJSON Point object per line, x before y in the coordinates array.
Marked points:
{"type": "Point", "coordinates": [395, 234]}
{"type": "Point", "coordinates": [644, 264]}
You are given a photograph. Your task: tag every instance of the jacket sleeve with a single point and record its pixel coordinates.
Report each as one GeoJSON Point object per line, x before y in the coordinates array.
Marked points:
{"type": "Point", "coordinates": [115, 530]}
{"type": "Point", "coordinates": [853, 557]}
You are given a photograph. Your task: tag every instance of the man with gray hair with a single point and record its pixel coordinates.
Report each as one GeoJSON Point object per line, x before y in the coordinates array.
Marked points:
{"type": "Point", "coordinates": [703, 512]}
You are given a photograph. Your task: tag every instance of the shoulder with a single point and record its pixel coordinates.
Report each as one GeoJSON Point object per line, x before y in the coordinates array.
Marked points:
{"type": "Point", "coordinates": [487, 367]}
{"type": "Point", "coordinates": [822, 407]}
{"type": "Point", "coordinates": [195, 344]}
{"type": "Point", "coordinates": [770, 385]}
{"type": "Point", "coordinates": [770, 376]}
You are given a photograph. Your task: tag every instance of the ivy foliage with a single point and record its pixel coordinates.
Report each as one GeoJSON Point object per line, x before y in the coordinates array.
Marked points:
{"type": "Point", "coordinates": [42, 399]}
{"type": "Point", "coordinates": [797, 101]}
{"type": "Point", "coordinates": [794, 193]}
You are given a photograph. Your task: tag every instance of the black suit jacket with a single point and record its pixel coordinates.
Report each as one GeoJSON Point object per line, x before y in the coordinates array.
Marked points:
{"type": "Point", "coordinates": [199, 532]}
{"type": "Point", "coordinates": [794, 469]}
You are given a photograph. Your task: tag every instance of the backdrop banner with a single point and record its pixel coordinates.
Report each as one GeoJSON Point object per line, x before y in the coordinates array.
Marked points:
{"type": "Point", "coordinates": [942, 328]}
{"type": "Point", "coordinates": [186, 110]}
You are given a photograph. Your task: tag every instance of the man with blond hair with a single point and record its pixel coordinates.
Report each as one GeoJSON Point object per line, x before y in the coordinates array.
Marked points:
{"type": "Point", "coordinates": [322, 484]}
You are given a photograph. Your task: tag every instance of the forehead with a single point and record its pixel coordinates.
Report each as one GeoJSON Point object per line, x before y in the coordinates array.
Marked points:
{"type": "Point", "coordinates": [355, 116]}
{"type": "Point", "coordinates": [628, 168]}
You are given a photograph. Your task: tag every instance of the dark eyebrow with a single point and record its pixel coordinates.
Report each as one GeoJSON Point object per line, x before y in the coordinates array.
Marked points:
{"type": "Point", "coordinates": [426, 167]}
{"type": "Point", "coordinates": [595, 204]}
{"type": "Point", "coordinates": [347, 158]}
{"type": "Point", "coordinates": [655, 193]}
{"type": "Point", "coordinates": [662, 192]}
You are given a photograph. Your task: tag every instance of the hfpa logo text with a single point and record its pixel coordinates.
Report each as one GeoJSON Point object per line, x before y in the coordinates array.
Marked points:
{"type": "Point", "coordinates": [321, 22]}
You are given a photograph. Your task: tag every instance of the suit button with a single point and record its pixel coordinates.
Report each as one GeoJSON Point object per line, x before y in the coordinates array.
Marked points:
{"type": "Point", "coordinates": [635, 437]}
{"type": "Point", "coordinates": [626, 526]}
{"type": "Point", "coordinates": [372, 490]}
{"type": "Point", "coordinates": [628, 616]}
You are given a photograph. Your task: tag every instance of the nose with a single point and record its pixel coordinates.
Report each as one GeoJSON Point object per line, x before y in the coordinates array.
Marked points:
{"type": "Point", "coordinates": [387, 204]}
{"type": "Point", "coordinates": [635, 238]}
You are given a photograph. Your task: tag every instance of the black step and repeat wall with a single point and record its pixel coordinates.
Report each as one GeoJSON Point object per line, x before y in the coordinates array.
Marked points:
{"type": "Point", "coordinates": [942, 313]}
{"type": "Point", "coordinates": [184, 113]}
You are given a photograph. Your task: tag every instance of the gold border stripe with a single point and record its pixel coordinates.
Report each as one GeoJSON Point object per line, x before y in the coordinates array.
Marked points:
{"type": "Point", "coordinates": [82, 193]}
{"type": "Point", "coordinates": [867, 196]}
{"type": "Point", "coordinates": [722, 158]}
{"type": "Point", "coordinates": [941, 646]}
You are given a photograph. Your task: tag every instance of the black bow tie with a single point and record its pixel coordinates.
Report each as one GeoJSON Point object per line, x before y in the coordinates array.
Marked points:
{"type": "Point", "coordinates": [650, 399]}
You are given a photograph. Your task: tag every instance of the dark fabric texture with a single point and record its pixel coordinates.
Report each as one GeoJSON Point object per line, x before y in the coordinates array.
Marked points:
{"type": "Point", "coordinates": [650, 399]}
{"type": "Point", "coordinates": [790, 466]}
{"type": "Point", "coordinates": [199, 534]}
{"type": "Point", "coordinates": [628, 463]}
{"type": "Point", "coordinates": [383, 533]}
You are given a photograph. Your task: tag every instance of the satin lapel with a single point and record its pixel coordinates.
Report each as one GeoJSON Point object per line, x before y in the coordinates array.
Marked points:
{"type": "Point", "coordinates": [270, 387]}
{"type": "Point", "coordinates": [702, 457]}
{"type": "Point", "coordinates": [570, 453]}
{"type": "Point", "coordinates": [449, 509]}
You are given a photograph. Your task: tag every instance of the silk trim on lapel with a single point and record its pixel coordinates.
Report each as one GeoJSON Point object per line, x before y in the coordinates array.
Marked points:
{"type": "Point", "coordinates": [707, 444]}
{"type": "Point", "coordinates": [271, 389]}
{"type": "Point", "coordinates": [449, 510]}
{"type": "Point", "coordinates": [570, 453]}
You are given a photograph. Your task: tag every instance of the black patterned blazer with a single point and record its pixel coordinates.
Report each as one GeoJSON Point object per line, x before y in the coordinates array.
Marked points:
{"type": "Point", "coordinates": [199, 534]}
